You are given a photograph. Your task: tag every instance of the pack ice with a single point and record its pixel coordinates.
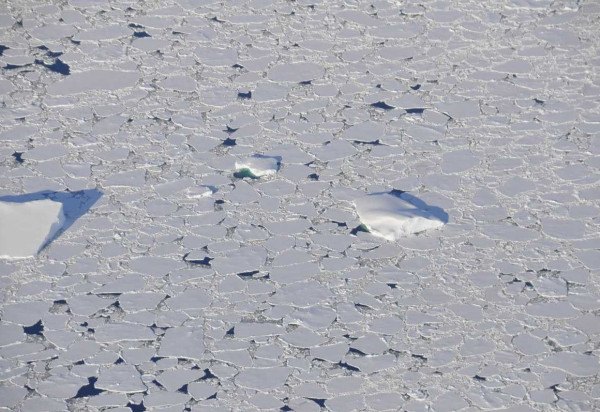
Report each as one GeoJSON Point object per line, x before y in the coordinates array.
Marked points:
{"type": "Point", "coordinates": [391, 217]}
{"type": "Point", "coordinates": [25, 228]}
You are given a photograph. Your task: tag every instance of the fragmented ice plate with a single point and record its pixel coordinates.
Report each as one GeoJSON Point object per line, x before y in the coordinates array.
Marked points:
{"type": "Point", "coordinates": [392, 216]}
{"type": "Point", "coordinates": [25, 228]}
{"type": "Point", "coordinates": [257, 166]}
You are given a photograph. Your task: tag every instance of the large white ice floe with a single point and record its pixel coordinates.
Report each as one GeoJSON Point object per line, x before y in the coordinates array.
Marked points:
{"type": "Point", "coordinates": [393, 216]}
{"type": "Point", "coordinates": [27, 227]}
{"type": "Point", "coordinates": [257, 166]}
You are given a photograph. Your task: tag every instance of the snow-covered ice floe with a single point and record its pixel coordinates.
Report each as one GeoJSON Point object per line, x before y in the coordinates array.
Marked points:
{"type": "Point", "coordinates": [25, 228]}
{"type": "Point", "coordinates": [257, 166]}
{"type": "Point", "coordinates": [393, 216]}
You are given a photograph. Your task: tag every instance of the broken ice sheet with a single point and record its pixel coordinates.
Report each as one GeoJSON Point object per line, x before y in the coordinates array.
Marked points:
{"type": "Point", "coordinates": [278, 271]}
{"type": "Point", "coordinates": [392, 216]}
{"type": "Point", "coordinates": [257, 166]}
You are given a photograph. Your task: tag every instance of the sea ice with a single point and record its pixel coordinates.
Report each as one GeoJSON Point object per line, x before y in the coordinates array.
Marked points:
{"type": "Point", "coordinates": [295, 72]}
{"type": "Point", "coordinates": [262, 378]}
{"type": "Point", "coordinates": [240, 259]}
{"type": "Point", "coordinates": [120, 378]}
{"type": "Point", "coordinates": [93, 80]}
{"type": "Point", "coordinates": [257, 166]}
{"type": "Point", "coordinates": [392, 217]}
{"type": "Point", "coordinates": [25, 228]}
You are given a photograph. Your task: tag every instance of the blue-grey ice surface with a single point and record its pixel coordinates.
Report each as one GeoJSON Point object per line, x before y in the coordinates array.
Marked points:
{"type": "Point", "coordinates": [211, 158]}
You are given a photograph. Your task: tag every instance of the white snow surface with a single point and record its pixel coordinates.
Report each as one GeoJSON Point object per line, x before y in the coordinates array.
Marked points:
{"type": "Point", "coordinates": [392, 217]}
{"type": "Point", "coordinates": [26, 227]}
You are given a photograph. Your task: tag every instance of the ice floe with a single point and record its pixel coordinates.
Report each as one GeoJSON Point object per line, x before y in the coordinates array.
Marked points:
{"type": "Point", "coordinates": [27, 227]}
{"type": "Point", "coordinates": [296, 72]}
{"type": "Point", "coordinates": [392, 216]}
{"type": "Point", "coordinates": [93, 80]}
{"type": "Point", "coordinates": [257, 166]}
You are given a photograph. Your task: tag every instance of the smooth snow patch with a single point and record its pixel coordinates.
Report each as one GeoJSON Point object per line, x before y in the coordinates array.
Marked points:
{"type": "Point", "coordinates": [25, 228]}
{"type": "Point", "coordinates": [393, 217]}
{"type": "Point", "coordinates": [258, 165]}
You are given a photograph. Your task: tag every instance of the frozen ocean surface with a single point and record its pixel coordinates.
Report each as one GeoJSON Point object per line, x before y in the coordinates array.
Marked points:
{"type": "Point", "coordinates": [300, 205]}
